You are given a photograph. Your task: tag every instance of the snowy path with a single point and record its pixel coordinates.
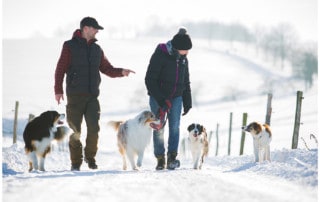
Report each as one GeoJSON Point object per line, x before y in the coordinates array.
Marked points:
{"type": "Point", "coordinates": [222, 179]}
{"type": "Point", "coordinates": [180, 185]}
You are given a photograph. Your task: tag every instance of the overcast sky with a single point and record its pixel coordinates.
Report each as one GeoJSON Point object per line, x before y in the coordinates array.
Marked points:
{"type": "Point", "coordinates": [23, 18]}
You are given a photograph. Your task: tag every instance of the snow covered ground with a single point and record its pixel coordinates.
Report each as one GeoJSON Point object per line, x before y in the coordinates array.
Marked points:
{"type": "Point", "coordinates": [291, 176]}
{"type": "Point", "coordinates": [222, 82]}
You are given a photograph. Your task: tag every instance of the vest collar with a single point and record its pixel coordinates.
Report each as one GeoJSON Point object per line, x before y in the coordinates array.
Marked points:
{"type": "Point", "coordinates": [77, 35]}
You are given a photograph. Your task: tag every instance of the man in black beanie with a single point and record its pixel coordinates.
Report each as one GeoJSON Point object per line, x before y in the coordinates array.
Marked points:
{"type": "Point", "coordinates": [168, 85]}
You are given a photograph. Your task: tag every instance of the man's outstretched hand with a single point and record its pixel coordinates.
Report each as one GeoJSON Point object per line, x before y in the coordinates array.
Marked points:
{"type": "Point", "coordinates": [126, 72]}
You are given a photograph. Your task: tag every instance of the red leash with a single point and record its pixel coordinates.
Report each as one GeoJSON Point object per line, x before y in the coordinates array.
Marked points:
{"type": "Point", "coordinates": [162, 118]}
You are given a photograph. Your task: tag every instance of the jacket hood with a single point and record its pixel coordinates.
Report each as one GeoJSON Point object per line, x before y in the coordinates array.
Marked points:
{"type": "Point", "coordinates": [169, 49]}
{"type": "Point", "coordinates": [78, 35]}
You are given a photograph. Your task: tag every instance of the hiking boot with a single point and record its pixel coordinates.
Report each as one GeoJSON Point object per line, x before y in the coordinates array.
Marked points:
{"type": "Point", "coordinates": [91, 163]}
{"type": "Point", "coordinates": [161, 162]}
{"type": "Point", "coordinates": [75, 167]}
{"type": "Point", "coordinates": [172, 162]}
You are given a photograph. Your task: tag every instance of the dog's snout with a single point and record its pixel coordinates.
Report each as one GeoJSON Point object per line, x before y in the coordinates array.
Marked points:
{"type": "Point", "coordinates": [196, 133]}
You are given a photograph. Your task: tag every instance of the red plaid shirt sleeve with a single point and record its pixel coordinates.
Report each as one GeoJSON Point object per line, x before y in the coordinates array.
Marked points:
{"type": "Point", "coordinates": [107, 69]}
{"type": "Point", "coordinates": [61, 69]}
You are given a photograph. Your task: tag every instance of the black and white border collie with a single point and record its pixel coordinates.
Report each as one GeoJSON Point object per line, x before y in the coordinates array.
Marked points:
{"type": "Point", "coordinates": [198, 144]}
{"type": "Point", "coordinates": [38, 135]}
{"type": "Point", "coordinates": [262, 136]}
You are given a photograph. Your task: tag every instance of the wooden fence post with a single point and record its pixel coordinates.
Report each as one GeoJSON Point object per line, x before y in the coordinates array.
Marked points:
{"type": "Point", "coordinates": [230, 131]}
{"type": "Point", "coordinates": [269, 109]}
{"type": "Point", "coordinates": [243, 134]}
{"type": "Point", "coordinates": [210, 136]}
{"type": "Point", "coordinates": [15, 122]}
{"type": "Point", "coordinates": [295, 136]}
{"type": "Point", "coordinates": [217, 136]}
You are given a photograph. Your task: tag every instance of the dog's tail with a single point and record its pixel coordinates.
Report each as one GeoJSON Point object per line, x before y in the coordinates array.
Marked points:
{"type": "Point", "coordinates": [115, 124]}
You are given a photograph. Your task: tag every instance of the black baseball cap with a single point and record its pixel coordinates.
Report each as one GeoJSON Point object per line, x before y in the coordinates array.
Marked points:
{"type": "Point", "coordinates": [90, 22]}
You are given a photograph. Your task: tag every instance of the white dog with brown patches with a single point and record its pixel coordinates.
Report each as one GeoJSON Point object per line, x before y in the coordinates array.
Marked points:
{"type": "Point", "coordinates": [198, 144]}
{"type": "Point", "coordinates": [262, 136]}
{"type": "Point", "coordinates": [134, 135]}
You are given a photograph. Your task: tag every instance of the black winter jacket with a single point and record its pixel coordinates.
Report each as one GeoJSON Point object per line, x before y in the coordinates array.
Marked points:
{"type": "Point", "coordinates": [167, 76]}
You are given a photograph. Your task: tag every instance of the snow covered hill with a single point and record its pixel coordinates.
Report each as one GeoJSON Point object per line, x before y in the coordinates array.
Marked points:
{"type": "Point", "coordinates": [222, 82]}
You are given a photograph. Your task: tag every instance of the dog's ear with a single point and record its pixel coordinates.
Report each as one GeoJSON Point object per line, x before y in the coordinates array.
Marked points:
{"type": "Point", "coordinates": [55, 116]}
{"type": "Point", "coordinates": [203, 129]}
{"type": "Point", "coordinates": [191, 127]}
{"type": "Point", "coordinates": [143, 117]}
{"type": "Point", "coordinates": [140, 120]}
{"type": "Point", "coordinates": [257, 127]}
{"type": "Point", "coordinates": [48, 116]}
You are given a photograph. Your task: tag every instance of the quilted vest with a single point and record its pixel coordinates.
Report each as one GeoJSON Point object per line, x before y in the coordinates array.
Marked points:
{"type": "Point", "coordinates": [83, 76]}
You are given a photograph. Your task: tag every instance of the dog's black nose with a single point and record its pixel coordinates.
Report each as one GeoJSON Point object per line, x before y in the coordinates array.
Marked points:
{"type": "Point", "coordinates": [243, 127]}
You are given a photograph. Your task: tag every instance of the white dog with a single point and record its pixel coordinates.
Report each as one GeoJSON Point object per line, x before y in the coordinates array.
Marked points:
{"type": "Point", "coordinates": [198, 144]}
{"type": "Point", "coordinates": [133, 137]}
{"type": "Point", "coordinates": [261, 140]}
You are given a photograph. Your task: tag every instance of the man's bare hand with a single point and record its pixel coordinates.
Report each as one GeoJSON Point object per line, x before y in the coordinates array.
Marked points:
{"type": "Point", "coordinates": [126, 72]}
{"type": "Point", "coordinates": [59, 97]}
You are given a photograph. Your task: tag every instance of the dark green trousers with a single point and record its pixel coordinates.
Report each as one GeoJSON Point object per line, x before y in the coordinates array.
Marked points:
{"type": "Point", "coordinates": [79, 107]}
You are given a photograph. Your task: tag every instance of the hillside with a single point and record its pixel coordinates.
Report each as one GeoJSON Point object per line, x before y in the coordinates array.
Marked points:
{"type": "Point", "coordinates": [223, 81]}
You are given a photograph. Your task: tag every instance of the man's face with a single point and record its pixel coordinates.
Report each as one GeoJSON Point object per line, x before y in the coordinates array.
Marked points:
{"type": "Point", "coordinates": [92, 32]}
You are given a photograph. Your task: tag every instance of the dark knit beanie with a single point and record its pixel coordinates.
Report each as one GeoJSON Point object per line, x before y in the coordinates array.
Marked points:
{"type": "Point", "coordinates": [181, 41]}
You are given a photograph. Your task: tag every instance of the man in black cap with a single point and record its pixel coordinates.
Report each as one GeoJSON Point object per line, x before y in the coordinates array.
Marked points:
{"type": "Point", "coordinates": [168, 85]}
{"type": "Point", "coordinates": [82, 60]}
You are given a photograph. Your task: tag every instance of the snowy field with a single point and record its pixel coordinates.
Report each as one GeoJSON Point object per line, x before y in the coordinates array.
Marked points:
{"type": "Point", "coordinates": [223, 81]}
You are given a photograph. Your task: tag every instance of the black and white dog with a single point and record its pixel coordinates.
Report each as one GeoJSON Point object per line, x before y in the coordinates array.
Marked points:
{"type": "Point", "coordinates": [198, 144]}
{"type": "Point", "coordinates": [38, 135]}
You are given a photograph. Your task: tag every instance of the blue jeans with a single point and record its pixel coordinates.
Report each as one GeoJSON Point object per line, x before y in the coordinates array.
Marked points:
{"type": "Point", "coordinates": [174, 127]}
